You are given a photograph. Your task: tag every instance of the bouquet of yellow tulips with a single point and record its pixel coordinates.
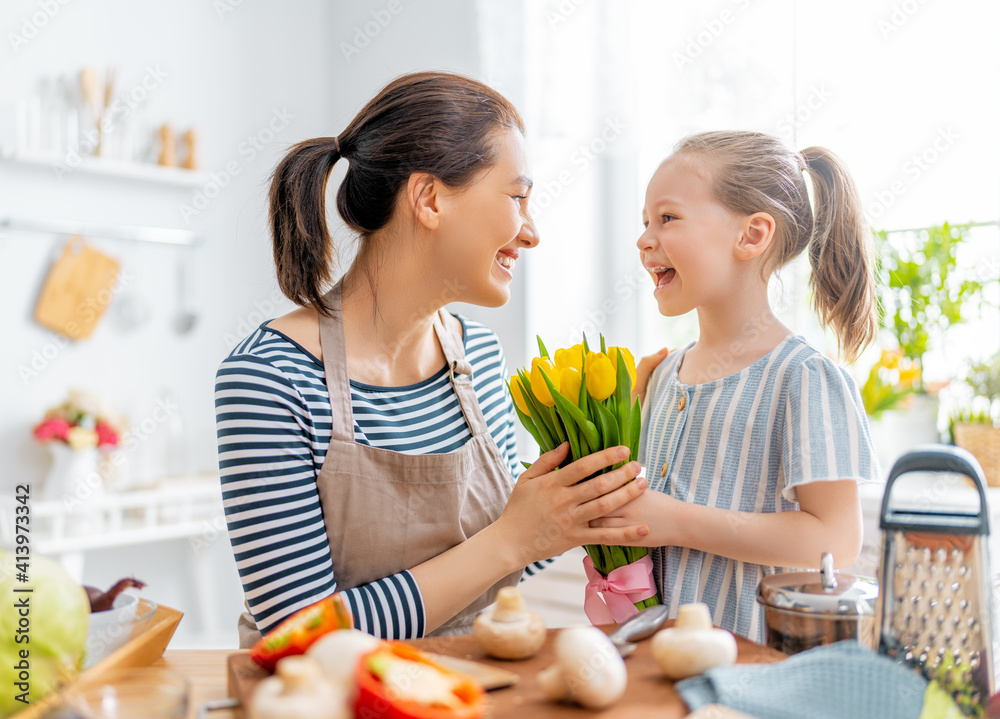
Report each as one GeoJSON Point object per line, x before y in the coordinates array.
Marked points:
{"type": "Point", "coordinates": [585, 398]}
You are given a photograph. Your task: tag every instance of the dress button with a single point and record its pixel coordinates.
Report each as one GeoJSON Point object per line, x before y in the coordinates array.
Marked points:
{"type": "Point", "coordinates": [683, 401]}
{"type": "Point", "coordinates": [663, 469]}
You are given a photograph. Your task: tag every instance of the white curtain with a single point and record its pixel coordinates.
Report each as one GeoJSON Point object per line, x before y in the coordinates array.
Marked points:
{"type": "Point", "coordinates": [907, 92]}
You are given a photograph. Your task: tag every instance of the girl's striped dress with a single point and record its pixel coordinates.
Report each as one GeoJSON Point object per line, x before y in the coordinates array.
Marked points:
{"type": "Point", "coordinates": [273, 424]}
{"type": "Point", "coordinates": [745, 442]}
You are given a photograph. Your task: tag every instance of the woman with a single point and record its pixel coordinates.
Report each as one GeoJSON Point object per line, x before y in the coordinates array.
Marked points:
{"type": "Point", "coordinates": [360, 434]}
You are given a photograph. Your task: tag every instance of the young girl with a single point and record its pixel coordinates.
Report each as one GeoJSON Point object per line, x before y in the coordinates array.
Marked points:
{"type": "Point", "coordinates": [754, 440]}
{"type": "Point", "coordinates": [360, 435]}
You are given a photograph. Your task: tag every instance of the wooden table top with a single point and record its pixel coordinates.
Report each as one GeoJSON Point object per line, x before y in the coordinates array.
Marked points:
{"type": "Point", "coordinates": [648, 693]}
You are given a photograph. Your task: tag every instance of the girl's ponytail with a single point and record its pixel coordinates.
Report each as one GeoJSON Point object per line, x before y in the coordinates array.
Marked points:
{"type": "Point", "coordinates": [302, 243]}
{"type": "Point", "coordinates": [755, 172]}
{"type": "Point", "coordinates": [841, 253]}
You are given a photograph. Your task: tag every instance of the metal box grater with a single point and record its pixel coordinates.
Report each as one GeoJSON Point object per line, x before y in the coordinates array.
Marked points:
{"type": "Point", "coordinates": [935, 599]}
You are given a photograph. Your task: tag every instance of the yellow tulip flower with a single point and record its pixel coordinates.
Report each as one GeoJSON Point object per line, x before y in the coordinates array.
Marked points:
{"type": "Point", "coordinates": [569, 384]}
{"type": "Point", "coordinates": [629, 361]}
{"type": "Point", "coordinates": [538, 386]}
{"type": "Point", "coordinates": [570, 357]}
{"type": "Point", "coordinates": [517, 392]}
{"type": "Point", "coordinates": [601, 376]}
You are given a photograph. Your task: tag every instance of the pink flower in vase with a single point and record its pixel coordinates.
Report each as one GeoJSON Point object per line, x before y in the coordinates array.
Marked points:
{"type": "Point", "coordinates": [52, 429]}
{"type": "Point", "coordinates": [106, 435]}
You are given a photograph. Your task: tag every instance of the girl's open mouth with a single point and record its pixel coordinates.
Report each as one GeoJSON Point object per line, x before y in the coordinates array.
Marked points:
{"type": "Point", "coordinates": [663, 275]}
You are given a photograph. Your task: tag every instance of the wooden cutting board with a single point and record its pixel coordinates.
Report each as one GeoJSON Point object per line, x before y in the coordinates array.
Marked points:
{"type": "Point", "coordinates": [649, 695]}
{"type": "Point", "coordinates": [77, 290]}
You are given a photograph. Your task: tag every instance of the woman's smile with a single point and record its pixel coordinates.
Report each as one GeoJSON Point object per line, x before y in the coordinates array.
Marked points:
{"type": "Point", "coordinates": [506, 258]}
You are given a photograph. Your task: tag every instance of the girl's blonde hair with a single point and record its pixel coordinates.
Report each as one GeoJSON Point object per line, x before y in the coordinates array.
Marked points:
{"type": "Point", "coordinates": [754, 172]}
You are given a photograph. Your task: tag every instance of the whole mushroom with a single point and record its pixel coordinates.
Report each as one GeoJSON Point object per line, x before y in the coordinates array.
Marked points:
{"type": "Point", "coordinates": [588, 669]}
{"type": "Point", "coordinates": [692, 645]}
{"type": "Point", "coordinates": [338, 653]}
{"type": "Point", "coordinates": [510, 631]}
{"type": "Point", "coordinates": [298, 690]}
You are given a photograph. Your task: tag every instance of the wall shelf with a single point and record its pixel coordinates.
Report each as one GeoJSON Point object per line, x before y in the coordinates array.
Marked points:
{"type": "Point", "coordinates": [132, 233]}
{"type": "Point", "coordinates": [145, 172]}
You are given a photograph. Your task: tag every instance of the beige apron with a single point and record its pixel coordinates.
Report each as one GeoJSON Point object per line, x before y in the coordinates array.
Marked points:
{"type": "Point", "coordinates": [385, 511]}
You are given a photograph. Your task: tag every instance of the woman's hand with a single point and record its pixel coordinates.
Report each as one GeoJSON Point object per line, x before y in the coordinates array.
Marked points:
{"type": "Point", "coordinates": [650, 509]}
{"type": "Point", "coordinates": [643, 370]}
{"type": "Point", "coordinates": [549, 512]}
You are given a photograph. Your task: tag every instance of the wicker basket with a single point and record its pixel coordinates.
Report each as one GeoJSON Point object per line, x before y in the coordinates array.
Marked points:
{"type": "Point", "coordinates": [983, 441]}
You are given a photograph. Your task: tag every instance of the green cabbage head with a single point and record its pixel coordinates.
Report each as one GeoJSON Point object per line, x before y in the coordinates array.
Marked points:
{"type": "Point", "coordinates": [57, 615]}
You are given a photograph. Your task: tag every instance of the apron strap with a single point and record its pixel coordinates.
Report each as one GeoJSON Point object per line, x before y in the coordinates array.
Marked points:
{"type": "Point", "coordinates": [460, 371]}
{"type": "Point", "coordinates": [331, 339]}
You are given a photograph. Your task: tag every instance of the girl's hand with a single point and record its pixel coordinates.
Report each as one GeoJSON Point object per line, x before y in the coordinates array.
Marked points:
{"type": "Point", "coordinates": [649, 509]}
{"type": "Point", "coordinates": [643, 370]}
{"type": "Point", "coordinates": [549, 512]}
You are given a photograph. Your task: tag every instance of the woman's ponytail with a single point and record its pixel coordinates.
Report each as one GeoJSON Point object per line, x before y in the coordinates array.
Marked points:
{"type": "Point", "coordinates": [302, 245]}
{"type": "Point", "coordinates": [841, 253]}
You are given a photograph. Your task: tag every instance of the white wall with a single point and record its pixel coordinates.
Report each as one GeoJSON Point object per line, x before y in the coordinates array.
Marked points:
{"type": "Point", "coordinates": [228, 72]}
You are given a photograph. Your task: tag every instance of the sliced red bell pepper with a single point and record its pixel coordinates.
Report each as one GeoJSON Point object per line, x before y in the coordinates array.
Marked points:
{"type": "Point", "coordinates": [298, 632]}
{"type": "Point", "coordinates": [376, 701]}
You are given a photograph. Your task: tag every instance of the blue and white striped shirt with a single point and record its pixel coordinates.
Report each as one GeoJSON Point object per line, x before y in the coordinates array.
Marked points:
{"type": "Point", "coordinates": [273, 423]}
{"type": "Point", "coordinates": [745, 442]}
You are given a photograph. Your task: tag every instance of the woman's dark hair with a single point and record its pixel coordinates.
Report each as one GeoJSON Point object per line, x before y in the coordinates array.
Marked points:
{"type": "Point", "coordinates": [434, 122]}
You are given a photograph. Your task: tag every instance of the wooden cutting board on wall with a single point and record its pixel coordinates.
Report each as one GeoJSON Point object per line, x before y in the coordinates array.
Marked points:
{"type": "Point", "coordinates": [77, 290]}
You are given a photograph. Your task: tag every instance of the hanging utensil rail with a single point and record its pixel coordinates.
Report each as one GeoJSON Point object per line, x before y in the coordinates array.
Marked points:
{"type": "Point", "coordinates": [162, 235]}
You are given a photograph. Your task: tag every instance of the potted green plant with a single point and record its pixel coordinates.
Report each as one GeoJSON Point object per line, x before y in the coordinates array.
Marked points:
{"type": "Point", "coordinates": [922, 296]}
{"type": "Point", "coordinates": [976, 425]}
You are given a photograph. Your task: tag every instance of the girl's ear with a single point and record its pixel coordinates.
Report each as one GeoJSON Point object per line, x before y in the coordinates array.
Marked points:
{"type": "Point", "coordinates": [423, 197]}
{"type": "Point", "coordinates": [756, 236]}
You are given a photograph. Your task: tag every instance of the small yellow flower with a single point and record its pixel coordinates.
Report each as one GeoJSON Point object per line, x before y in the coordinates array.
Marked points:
{"type": "Point", "coordinates": [517, 392]}
{"type": "Point", "coordinates": [909, 377]}
{"type": "Point", "coordinates": [570, 357]}
{"type": "Point", "coordinates": [81, 438]}
{"type": "Point", "coordinates": [601, 376]}
{"type": "Point", "coordinates": [890, 358]}
{"type": "Point", "coordinates": [629, 361]}
{"type": "Point", "coordinates": [538, 386]}
{"type": "Point", "coordinates": [569, 384]}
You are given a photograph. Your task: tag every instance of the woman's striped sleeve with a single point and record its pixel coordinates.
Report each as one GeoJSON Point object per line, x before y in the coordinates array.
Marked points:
{"type": "Point", "coordinates": [273, 511]}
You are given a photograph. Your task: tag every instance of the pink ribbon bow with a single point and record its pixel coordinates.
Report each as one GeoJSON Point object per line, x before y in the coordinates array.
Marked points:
{"type": "Point", "coordinates": [612, 599]}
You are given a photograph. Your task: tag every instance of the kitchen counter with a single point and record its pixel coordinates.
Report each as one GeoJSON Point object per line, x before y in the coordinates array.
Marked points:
{"type": "Point", "coordinates": [648, 693]}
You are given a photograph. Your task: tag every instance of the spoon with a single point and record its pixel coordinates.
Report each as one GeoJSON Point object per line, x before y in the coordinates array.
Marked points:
{"type": "Point", "coordinates": [642, 626]}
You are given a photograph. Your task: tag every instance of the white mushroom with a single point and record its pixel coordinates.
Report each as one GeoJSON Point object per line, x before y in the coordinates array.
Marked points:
{"type": "Point", "coordinates": [692, 645]}
{"type": "Point", "coordinates": [588, 669]}
{"type": "Point", "coordinates": [510, 631]}
{"type": "Point", "coordinates": [338, 653]}
{"type": "Point", "coordinates": [298, 691]}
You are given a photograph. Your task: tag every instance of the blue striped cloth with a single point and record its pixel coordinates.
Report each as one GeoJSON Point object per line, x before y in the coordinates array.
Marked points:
{"type": "Point", "coordinates": [829, 682]}
{"type": "Point", "coordinates": [745, 442]}
{"type": "Point", "coordinates": [273, 425]}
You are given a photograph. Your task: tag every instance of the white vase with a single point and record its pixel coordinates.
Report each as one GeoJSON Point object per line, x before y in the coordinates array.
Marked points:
{"type": "Point", "coordinates": [897, 431]}
{"type": "Point", "coordinates": [75, 478]}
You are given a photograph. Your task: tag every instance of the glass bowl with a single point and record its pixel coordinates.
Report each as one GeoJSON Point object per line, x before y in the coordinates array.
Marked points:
{"type": "Point", "coordinates": [146, 693]}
